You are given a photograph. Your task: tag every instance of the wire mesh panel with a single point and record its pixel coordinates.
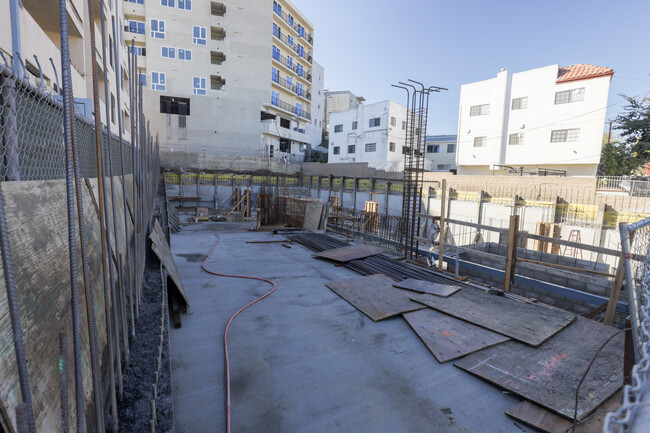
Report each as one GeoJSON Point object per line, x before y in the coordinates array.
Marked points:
{"type": "Point", "coordinates": [634, 414]}
{"type": "Point", "coordinates": [32, 145]}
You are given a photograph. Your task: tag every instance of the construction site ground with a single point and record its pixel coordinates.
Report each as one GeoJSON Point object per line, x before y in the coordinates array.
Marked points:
{"type": "Point", "coordinates": [304, 359]}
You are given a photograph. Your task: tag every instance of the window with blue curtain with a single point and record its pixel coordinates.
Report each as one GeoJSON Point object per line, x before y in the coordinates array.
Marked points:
{"type": "Point", "coordinates": [169, 52]}
{"type": "Point", "coordinates": [136, 27]}
{"type": "Point", "coordinates": [276, 30]}
{"type": "Point", "coordinates": [299, 89]}
{"type": "Point", "coordinates": [277, 8]}
{"type": "Point", "coordinates": [199, 85]}
{"type": "Point", "coordinates": [275, 98]}
{"type": "Point", "coordinates": [301, 51]}
{"type": "Point", "coordinates": [200, 35]}
{"type": "Point", "coordinates": [301, 31]}
{"type": "Point", "coordinates": [275, 75]}
{"type": "Point", "coordinates": [276, 53]}
{"type": "Point", "coordinates": [289, 81]}
{"type": "Point", "coordinates": [290, 40]}
{"type": "Point", "coordinates": [290, 20]}
{"type": "Point", "coordinates": [290, 62]}
{"type": "Point", "coordinates": [158, 81]}
{"type": "Point", "coordinates": [184, 54]}
{"type": "Point", "coordinates": [158, 29]}
{"type": "Point", "coordinates": [168, 3]}
{"type": "Point", "coordinates": [299, 69]}
{"type": "Point", "coordinates": [298, 108]}
{"type": "Point", "coordinates": [143, 79]}
{"type": "Point", "coordinates": [185, 4]}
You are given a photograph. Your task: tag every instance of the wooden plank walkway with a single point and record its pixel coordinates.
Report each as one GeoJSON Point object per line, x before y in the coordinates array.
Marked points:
{"type": "Point", "coordinates": [529, 323]}
{"type": "Point", "coordinates": [374, 296]}
{"type": "Point", "coordinates": [449, 338]}
{"type": "Point", "coordinates": [351, 252]}
{"type": "Point", "coordinates": [427, 287]}
{"type": "Point", "coordinates": [549, 375]}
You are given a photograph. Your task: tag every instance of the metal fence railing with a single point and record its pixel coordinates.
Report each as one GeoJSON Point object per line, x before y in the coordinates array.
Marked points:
{"type": "Point", "coordinates": [633, 187]}
{"type": "Point", "coordinates": [32, 137]}
{"type": "Point", "coordinates": [634, 414]}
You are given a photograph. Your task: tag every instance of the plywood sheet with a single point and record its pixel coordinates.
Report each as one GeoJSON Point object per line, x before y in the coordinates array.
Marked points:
{"type": "Point", "coordinates": [161, 248]}
{"type": "Point", "coordinates": [529, 323]}
{"type": "Point", "coordinates": [351, 252]}
{"type": "Point", "coordinates": [449, 338]}
{"type": "Point", "coordinates": [428, 287]}
{"type": "Point", "coordinates": [374, 296]}
{"type": "Point", "coordinates": [549, 375]}
{"type": "Point", "coordinates": [548, 422]}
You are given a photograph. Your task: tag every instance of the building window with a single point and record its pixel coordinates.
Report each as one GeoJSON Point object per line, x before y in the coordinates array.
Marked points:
{"type": "Point", "coordinates": [277, 8]}
{"type": "Point", "coordinates": [289, 62]}
{"type": "Point", "coordinates": [276, 53]}
{"type": "Point", "coordinates": [562, 135]}
{"type": "Point", "coordinates": [299, 89]}
{"type": "Point", "coordinates": [275, 75]}
{"type": "Point", "coordinates": [285, 123]}
{"type": "Point", "coordinates": [352, 148]}
{"type": "Point", "coordinates": [433, 148]}
{"type": "Point", "coordinates": [355, 125]}
{"type": "Point", "coordinates": [375, 122]}
{"type": "Point", "coordinates": [290, 20]}
{"type": "Point", "coordinates": [158, 81]}
{"type": "Point", "coordinates": [479, 110]}
{"type": "Point", "coordinates": [338, 128]}
{"type": "Point", "coordinates": [393, 121]}
{"type": "Point", "coordinates": [276, 30]}
{"type": "Point", "coordinates": [185, 4]}
{"type": "Point", "coordinates": [217, 83]}
{"type": "Point", "coordinates": [140, 2]}
{"type": "Point", "coordinates": [275, 98]}
{"type": "Point", "coordinates": [337, 150]}
{"type": "Point", "coordinates": [301, 31]}
{"type": "Point", "coordinates": [371, 147]}
{"type": "Point", "coordinates": [158, 29]}
{"type": "Point", "coordinates": [217, 33]}
{"type": "Point", "coordinates": [480, 141]}
{"type": "Point", "coordinates": [404, 125]}
{"type": "Point", "coordinates": [391, 147]}
{"type": "Point", "coordinates": [139, 51]}
{"type": "Point", "coordinates": [520, 103]}
{"type": "Point", "coordinates": [301, 51]}
{"type": "Point", "coordinates": [169, 52]}
{"type": "Point", "coordinates": [200, 35]}
{"type": "Point", "coordinates": [199, 85]}
{"type": "Point", "coordinates": [136, 27]}
{"type": "Point", "coordinates": [298, 109]}
{"type": "Point", "coordinates": [289, 81]}
{"type": "Point", "coordinates": [143, 79]}
{"type": "Point", "coordinates": [168, 3]}
{"type": "Point", "coordinates": [451, 148]}
{"type": "Point", "coordinates": [174, 105]}
{"type": "Point", "coordinates": [285, 145]}
{"type": "Point", "coordinates": [444, 166]}
{"type": "Point", "coordinates": [299, 70]}
{"type": "Point", "coordinates": [184, 54]}
{"type": "Point", "coordinates": [567, 96]}
{"type": "Point", "coordinates": [515, 139]}
{"type": "Point", "coordinates": [290, 40]}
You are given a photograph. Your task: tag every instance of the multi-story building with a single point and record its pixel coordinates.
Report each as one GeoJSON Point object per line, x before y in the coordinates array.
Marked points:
{"type": "Point", "coordinates": [224, 78]}
{"type": "Point", "coordinates": [541, 120]}
{"type": "Point", "coordinates": [317, 125]}
{"type": "Point", "coordinates": [440, 153]}
{"type": "Point", "coordinates": [38, 39]}
{"type": "Point", "coordinates": [337, 101]}
{"type": "Point", "coordinates": [373, 133]}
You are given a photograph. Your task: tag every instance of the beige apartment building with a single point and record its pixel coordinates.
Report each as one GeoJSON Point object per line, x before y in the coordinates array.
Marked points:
{"type": "Point", "coordinates": [40, 38]}
{"type": "Point", "coordinates": [224, 79]}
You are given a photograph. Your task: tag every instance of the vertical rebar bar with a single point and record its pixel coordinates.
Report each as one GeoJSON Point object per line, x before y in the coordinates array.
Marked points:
{"type": "Point", "coordinates": [72, 239]}
{"type": "Point", "coordinates": [22, 418]}
{"type": "Point", "coordinates": [63, 381]}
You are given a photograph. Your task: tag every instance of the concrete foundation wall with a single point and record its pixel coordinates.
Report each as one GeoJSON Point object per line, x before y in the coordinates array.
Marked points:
{"type": "Point", "coordinates": [37, 220]}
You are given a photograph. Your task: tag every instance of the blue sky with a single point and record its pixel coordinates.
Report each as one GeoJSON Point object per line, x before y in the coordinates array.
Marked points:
{"type": "Point", "coordinates": [365, 45]}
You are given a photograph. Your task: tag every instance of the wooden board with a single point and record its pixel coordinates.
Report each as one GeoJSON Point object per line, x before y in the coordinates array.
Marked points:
{"type": "Point", "coordinates": [161, 248]}
{"type": "Point", "coordinates": [529, 323]}
{"type": "Point", "coordinates": [449, 338]}
{"type": "Point", "coordinates": [350, 252]}
{"type": "Point", "coordinates": [548, 422]}
{"type": "Point", "coordinates": [550, 374]}
{"type": "Point", "coordinates": [420, 286]}
{"type": "Point", "coordinates": [374, 296]}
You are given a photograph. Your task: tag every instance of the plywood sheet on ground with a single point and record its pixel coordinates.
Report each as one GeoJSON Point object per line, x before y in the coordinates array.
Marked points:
{"type": "Point", "coordinates": [549, 375]}
{"type": "Point", "coordinates": [161, 248]}
{"type": "Point", "coordinates": [351, 252]}
{"type": "Point", "coordinates": [428, 287]}
{"type": "Point", "coordinates": [374, 296]}
{"type": "Point", "coordinates": [529, 323]}
{"type": "Point", "coordinates": [449, 338]}
{"type": "Point", "coordinates": [548, 422]}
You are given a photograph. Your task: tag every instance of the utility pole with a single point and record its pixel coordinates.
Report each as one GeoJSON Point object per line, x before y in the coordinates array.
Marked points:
{"type": "Point", "coordinates": [609, 136]}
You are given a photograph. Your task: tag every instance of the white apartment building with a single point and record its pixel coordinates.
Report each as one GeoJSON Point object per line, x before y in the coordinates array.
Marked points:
{"type": "Point", "coordinates": [316, 127]}
{"type": "Point", "coordinates": [40, 38]}
{"type": "Point", "coordinates": [546, 118]}
{"type": "Point", "coordinates": [337, 101]}
{"type": "Point", "coordinates": [440, 153]}
{"type": "Point", "coordinates": [373, 133]}
{"type": "Point", "coordinates": [224, 78]}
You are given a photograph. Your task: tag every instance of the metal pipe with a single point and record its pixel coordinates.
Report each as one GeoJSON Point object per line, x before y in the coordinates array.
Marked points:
{"type": "Point", "coordinates": [40, 72]}
{"type": "Point", "coordinates": [22, 418]}
{"type": "Point", "coordinates": [14, 314]}
{"type": "Point", "coordinates": [72, 239]}
{"type": "Point", "coordinates": [14, 11]}
{"type": "Point", "coordinates": [56, 77]}
{"type": "Point", "coordinates": [633, 295]}
{"type": "Point", "coordinates": [63, 381]}
{"type": "Point", "coordinates": [102, 222]}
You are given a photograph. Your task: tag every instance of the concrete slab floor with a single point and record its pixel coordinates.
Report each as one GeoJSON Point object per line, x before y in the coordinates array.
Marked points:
{"type": "Point", "coordinates": [303, 359]}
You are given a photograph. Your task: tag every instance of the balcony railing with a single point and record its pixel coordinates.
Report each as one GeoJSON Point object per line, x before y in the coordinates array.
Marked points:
{"type": "Point", "coordinates": [290, 108]}
{"type": "Point", "coordinates": [280, 58]}
{"type": "Point", "coordinates": [300, 53]}
{"type": "Point", "coordinates": [290, 86]}
{"type": "Point", "coordinates": [292, 23]}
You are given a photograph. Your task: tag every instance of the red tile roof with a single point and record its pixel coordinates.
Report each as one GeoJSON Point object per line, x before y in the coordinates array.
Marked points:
{"type": "Point", "coordinates": [582, 72]}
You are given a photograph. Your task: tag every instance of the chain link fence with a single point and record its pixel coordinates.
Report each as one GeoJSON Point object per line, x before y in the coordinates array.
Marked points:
{"type": "Point", "coordinates": [32, 137]}
{"type": "Point", "coordinates": [634, 414]}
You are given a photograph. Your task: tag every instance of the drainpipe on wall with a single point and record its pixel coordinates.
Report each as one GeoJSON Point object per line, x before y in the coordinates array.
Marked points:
{"type": "Point", "coordinates": [14, 6]}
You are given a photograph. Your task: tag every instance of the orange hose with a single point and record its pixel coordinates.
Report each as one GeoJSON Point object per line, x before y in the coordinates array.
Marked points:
{"type": "Point", "coordinates": [225, 335]}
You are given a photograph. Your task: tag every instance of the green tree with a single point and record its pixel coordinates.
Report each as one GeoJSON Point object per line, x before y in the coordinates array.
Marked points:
{"type": "Point", "coordinates": [634, 125]}
{"type": "Point", "coordinates": [616, 159]}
